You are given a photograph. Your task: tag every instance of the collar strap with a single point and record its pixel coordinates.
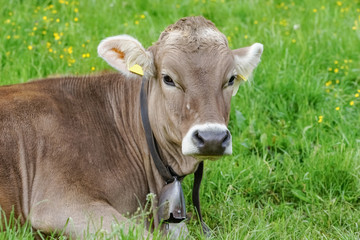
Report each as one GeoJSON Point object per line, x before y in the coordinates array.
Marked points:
{"type": "Point", "coordinates": [164, 171]}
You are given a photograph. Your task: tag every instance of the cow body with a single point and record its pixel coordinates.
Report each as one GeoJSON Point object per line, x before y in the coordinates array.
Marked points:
{"type": "Point", "coordinates": [75, 147]}
{"type": "Point", "coordinates": [61, 145]}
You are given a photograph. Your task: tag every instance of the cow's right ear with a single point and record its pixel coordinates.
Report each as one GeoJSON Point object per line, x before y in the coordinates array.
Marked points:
{"type": "Point", "coordinates": [123, 52]}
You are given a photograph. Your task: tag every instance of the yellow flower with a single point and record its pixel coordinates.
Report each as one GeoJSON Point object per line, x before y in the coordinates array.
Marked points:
{"type": "Point", "coordinates": [336, 70]}
{"type": "Point", "coordinates": [57, 20]}
{"type": "Point", "coordinates": [356, 95]}
{"type": "Point", "coordinates": [329, 69]}
{"type": "Point", "coordinates": [339, 3]}
{"type": "Point", "coordinates": [92, 68]}
{"type": "Point", "coordinates": [336, 62]}
{"type": "Point", "coordinates": [337, 81]}
{"type": "Point", "coordinates": [293, 41]}
{"type": "Point", "coordinates": [337, 108]}
{"type": "Point", "coordinates": [76, 19]}
{"type": "Point", "coordinates": [256, 22]}
{"type": "Point", "coordinates": [30, 47]}
{"type": "Point", "coordinates": [352, 103]}
{"type": "Point", "coordinates": [142, 16]}
{"type": "Point", "coordinates": [137, 22]}
{"type": "Point", "coordinates": [320, 119]}
{"type": "Point", "coordinates": [314, 10]}
{"type": "Point", "coordinates": [61, 56]}
{"type": "Point", "coordinates": [44, 18]}
{"type": "Point", "coordinates": [76, 10]}
{"type": "Point", "coordinates": [8, 37]}
{"type": "Point", "coordinates": [48, 44]}
{"type": "Point", "coordinates": [56, 36]}
{"type": "Point", "coordinates": [358, 90]}
{"type": "Point", "coordinates": [70, 50]}
{"type": "Point", "coordinates": [328, 83]}
{"type": "Point", "coordinates": [34, 28]}
{"type": "Point", "coordinates": [246, 36]}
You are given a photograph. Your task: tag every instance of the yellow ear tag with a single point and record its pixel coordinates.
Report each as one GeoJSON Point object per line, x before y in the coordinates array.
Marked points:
{"type": "Point", "coordinates": [242, 77]}
{"type": "Point", "coordinates": [137, 69]}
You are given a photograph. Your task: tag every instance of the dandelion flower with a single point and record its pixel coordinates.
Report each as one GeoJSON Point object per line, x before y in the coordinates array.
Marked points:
{"type": "Point", "coordinates": [320, 119]}
{"type": "Point", "coordinates": [30, 47]}
{"type": "Point", "coordinates": [76, 19]}
{"type": "Point", "coordinates": [44, 18]}
{"type": "Point", "coordinates": [92, 68]}
{"type": "Point", "coordinates": [328, 83]}
{"type": "Point", "coordinates": [336, 62]}
{"type": "Point", "coordinates": [337, 108]}
{"type": "Point", "coordinates": [356, 95]}
{"type": "Point", "coordinates": [314, 10]}
{"type": "Point", "coordinates": [352, 103]}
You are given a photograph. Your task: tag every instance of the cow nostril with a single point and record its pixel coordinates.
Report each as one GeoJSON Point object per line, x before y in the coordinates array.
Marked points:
{"type": "Point", "coordinates": [198, 138]}
{"type": "Point", "coordinates": [226, 138]}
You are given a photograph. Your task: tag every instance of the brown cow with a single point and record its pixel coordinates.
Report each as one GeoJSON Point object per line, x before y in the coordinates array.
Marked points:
{"type": "Point", "coordinates": [75, 148]}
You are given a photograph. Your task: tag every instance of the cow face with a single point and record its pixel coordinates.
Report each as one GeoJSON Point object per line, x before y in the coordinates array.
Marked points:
{"type": "Point", "coordinates": [193, 76]}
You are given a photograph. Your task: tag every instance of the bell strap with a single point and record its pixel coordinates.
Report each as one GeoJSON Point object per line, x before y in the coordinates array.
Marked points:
{"type": "Point", "coordinates": [196, 197]}
{"type": "Point", "coordinates": [162, 169]}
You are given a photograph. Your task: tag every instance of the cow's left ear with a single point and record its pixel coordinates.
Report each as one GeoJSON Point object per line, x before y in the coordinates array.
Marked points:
{"type": "Point", "coordinates": [246, 60]}
{"type": "Point", "coordinates": [123, 52]}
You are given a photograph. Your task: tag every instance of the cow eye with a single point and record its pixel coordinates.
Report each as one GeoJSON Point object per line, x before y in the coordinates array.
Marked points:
{"type": "Point", "coordinates": [232, 80]}
{"type": "Point", "coordinates": [168, 81]}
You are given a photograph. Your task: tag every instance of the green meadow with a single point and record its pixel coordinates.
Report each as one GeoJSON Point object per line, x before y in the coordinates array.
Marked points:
{"type": "Point", "coordinates": [295, 168]}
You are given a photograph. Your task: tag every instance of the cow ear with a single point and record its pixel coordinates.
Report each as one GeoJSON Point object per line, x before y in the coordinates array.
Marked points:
{"type": "Point", "coordinates": [246, 60]}
{"type": "Point", "coordinates": [123, 52]}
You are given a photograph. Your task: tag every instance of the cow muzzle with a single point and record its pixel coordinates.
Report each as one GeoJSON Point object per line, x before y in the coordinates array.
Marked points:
{"type": "Point", "coordinates": [207, 140]}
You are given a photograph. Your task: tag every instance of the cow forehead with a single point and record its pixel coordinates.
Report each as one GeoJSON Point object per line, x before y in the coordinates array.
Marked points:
{"type": "Point", "coordinates": [184, 49]}
{"type": "Point", "coordinates": [199, 63]}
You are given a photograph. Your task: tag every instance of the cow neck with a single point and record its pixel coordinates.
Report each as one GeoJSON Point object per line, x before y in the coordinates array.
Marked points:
{"type": "Point", "coordinates": [166, 172]}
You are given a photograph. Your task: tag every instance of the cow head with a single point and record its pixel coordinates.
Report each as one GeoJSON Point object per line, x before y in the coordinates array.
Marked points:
{"type": "Point", "coordinates": [193, 75]}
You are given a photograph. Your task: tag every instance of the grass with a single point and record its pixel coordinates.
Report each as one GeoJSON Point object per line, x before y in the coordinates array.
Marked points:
{"type": "Point", "coordinates": [295, 171]}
